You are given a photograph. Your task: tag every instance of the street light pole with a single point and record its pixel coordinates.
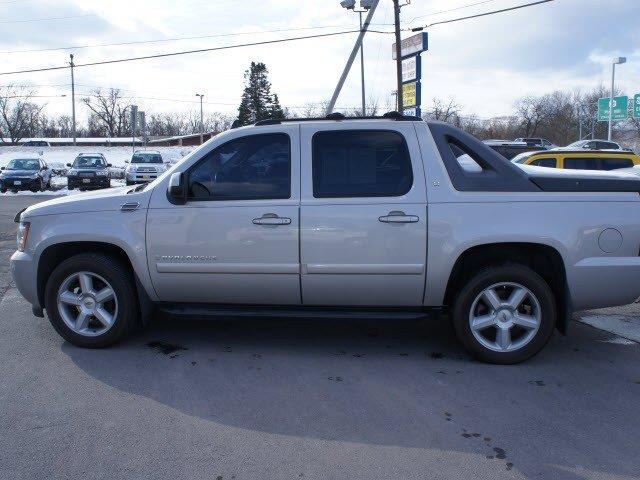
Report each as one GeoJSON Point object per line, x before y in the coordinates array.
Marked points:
{"type": "Point", "coordinates": [350, 4]}
{"type": "Point", "coordinates": [201, 117]}
{"type": "Point", "coordinates": [73, 101]}
{"type": "Point", "coordinates": [616, 61]}
{"type": "Point", "coordinates": [364, 107]}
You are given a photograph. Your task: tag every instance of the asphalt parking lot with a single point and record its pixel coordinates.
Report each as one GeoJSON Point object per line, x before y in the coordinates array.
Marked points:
{"type": "Point", "coordinates": [281, 398]}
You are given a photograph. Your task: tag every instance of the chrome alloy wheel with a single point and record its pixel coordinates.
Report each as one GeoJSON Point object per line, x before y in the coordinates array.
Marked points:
{"type": "Point", "coordinates": [87, 304]}
{"type": "Point", "coordinates": [505, 317]}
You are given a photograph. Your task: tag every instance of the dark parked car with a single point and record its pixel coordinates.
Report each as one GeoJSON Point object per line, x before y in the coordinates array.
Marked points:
{"type": "Point", "coordinates": [36, 143]}
{"type": "Point", "coordinates": [25, 174]}
{"type": "Point", "coordinates": [89, 171]}
{"type": "Point", "coordinates": [510, 149]}
{"type": "Point", "coordinates": [536, 142]}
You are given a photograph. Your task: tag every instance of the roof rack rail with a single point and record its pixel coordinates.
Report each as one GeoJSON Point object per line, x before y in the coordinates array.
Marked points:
{"type": "Point", "coordinates": [339, 117]}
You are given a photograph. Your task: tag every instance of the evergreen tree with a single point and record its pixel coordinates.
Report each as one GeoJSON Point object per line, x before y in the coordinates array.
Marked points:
{"type": "Point", "coordinates": [258, 103]}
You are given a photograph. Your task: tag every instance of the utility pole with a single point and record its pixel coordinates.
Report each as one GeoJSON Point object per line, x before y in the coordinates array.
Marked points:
{"type": "Point", "coordinates": [201, 117]}
{"type": "Point", "coordinates": [345, 72]}
{"type": "Point", "coordinates": [396, 20]}
{"type": "Point", "coordinates": [73, 102]}
{"type": "Point", "coordinates": [364, 106]}
{"type": "Point", "coordinates": [616, 61]}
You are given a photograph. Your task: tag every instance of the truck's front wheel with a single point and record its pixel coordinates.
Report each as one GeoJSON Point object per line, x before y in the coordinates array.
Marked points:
{"type": "Point", "coordinates": [505, 314]}
{"type": "Point", "coordinates": [90, 300]}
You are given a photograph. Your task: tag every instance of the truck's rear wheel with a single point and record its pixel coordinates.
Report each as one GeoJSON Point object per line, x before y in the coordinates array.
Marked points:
{"type": "Point", "coordinates": [505, 314]}
{"type": "Point", "coordinates": [90, 300]}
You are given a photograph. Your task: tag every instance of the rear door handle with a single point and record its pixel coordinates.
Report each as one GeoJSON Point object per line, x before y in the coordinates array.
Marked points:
{"type": "Point", "coordinates": [398, 217]}
{"type": "Point", "coordinates": [271, 219]}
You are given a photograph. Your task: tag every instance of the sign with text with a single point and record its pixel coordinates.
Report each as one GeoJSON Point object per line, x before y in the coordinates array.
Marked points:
{"type": "Point", "coordinates": [636, 106]}
{"type": "Point", "coordinates": [620, 108]}
{"type": "Point", "coordinates": [412, 112]}
{"type": "Point", "coordinates": [411, 69]}
{"type": "Point", "coordinates": [412, 45]}
{"type": "Point", "coordinates": [411, 94]}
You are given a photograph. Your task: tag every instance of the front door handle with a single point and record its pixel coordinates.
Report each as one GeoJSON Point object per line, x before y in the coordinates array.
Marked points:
{"type": "Point", "coordinates": [398, 217]}
{"type": "Point", "coordinates": [271, 219]}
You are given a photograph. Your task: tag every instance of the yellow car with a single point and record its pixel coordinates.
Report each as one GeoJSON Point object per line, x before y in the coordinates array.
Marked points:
{"type": "Point", "coordinates": [579, 160]}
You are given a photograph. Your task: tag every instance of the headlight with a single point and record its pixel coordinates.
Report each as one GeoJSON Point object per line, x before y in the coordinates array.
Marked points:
{"type": "Point", "coordinates": [132, 169]}
{"type": "Point", "coordinates": [102, 173]}
{"type": "Point", "coordinates": [72, 172]}
{"type": "Point", "coordinates": [34, 176]}
{"type": "Point", "coordinates": [23, 233]}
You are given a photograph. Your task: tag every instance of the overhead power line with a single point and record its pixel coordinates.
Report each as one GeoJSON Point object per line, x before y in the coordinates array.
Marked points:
{"type": "Point", "coordinates": [493, 12]}
{"type": "Point", "coordinates": [48, 19]}
{"type": "Point", "coordinates": [452, 9]}
{"type": "Point", "coordinates": [174, 39]}
{"type": "Point", "coordinates": [187, 52]}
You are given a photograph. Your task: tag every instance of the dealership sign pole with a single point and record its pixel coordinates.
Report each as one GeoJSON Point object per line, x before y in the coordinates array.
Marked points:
{"type": "Point", "coordinates": [410, 50]}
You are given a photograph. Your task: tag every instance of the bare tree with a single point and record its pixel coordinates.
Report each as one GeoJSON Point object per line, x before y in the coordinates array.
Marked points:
{"type": "Point", "coordinates": [531, 111]}
{"type": "Point", "coordinates": [444, 111]}
{"type": "Point", "coordinates": [19, 116]}
{"type": "Point", "coordinates": [110, 112]}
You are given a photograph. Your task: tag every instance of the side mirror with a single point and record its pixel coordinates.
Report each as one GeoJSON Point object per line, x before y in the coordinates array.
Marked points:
{"type": "Point", "coordinates": [109, 165]}
{"type": "Point", "coordinates": [177, 190]}
{"type": "Point", "coordinates": [68, 164]}
{"type": "Point", "coordinates": [126, 161]}
{"type": "Point", "coordinates": [1, 168]}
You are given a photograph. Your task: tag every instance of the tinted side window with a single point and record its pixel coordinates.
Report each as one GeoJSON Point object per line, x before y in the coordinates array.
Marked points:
{"type": "Point", "coordinates": [606, 146]}
{"type": "Point", "coordinates": [359, 163]}
{"type": "Point", "coordinates": [582, 163]}
{"type": "Point", "coordinates": [544, 162]}
{"type": "Point", "coordinates": [614, 163]}
{"type": "Point", "coordinates": [248, 168]}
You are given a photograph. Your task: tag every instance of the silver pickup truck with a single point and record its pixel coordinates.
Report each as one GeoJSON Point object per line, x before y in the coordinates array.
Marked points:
{"type": "Point", "coordinates": [341, 217]}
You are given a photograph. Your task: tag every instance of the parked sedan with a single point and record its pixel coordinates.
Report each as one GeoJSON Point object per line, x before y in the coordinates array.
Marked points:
{"type": "Point", "coordinates": [89, 171]}
{"type": "Point", "coordinates": [25, 174]}
{"type": "Point", "coordinates": [595, 145]}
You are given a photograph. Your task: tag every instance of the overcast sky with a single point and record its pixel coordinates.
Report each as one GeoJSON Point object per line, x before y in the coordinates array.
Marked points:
{"type": "Point", "coordinates": [484, 64]}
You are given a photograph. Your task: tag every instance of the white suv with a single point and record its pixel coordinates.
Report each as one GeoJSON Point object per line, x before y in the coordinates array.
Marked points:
{"type": "Point", "coordinates": [144, 166]}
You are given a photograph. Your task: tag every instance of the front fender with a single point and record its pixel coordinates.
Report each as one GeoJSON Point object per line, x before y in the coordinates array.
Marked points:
{"type": "Point", "coordinates": [125, 230]}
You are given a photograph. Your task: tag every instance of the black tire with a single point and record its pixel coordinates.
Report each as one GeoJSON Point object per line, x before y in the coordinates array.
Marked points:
{"type": "Point", "coordinates": [120, 278]}
{"type": "Point", "coordinates": [70, 187]}
{"type": "Point", "coordinates": [506, 273]}
{"type": "Point", "coordinates": [129, 183]}
{"type": "Point", "coordinates": [3, 190]}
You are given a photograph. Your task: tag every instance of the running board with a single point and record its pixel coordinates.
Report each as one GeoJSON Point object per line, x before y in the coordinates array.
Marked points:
{"type": "Point", "coordinates": [295, 311]}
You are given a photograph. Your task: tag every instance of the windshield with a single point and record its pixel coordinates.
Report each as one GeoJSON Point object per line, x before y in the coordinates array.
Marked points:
{"type": "Point", "coordinates": [146, 158]}
{"type": "Point", "coordinates": [23, 164]}
{"type": "Point", "coordinates": [89, 162]}
{"type": "Point", "coordinates": [579, 143]}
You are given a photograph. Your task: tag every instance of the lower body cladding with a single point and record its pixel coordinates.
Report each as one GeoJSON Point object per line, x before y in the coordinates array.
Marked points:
{"type": "Point", "coordinates": [88, 182]}
{"type": "Point", "coordinates": [20, 184]}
